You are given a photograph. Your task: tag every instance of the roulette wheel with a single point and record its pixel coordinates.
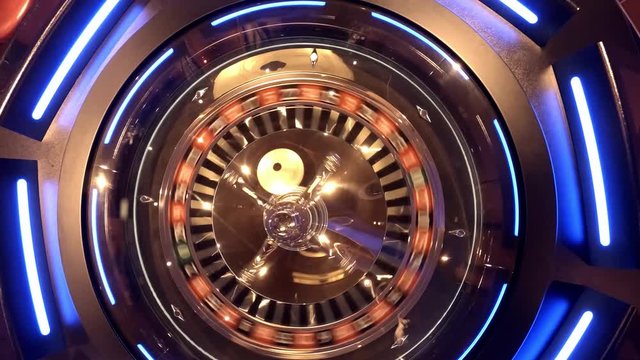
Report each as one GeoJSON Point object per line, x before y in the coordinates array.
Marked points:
{"type": "Point", "coordinates": [319, 179]}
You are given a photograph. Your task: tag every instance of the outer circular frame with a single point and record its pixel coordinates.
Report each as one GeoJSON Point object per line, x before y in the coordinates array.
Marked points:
{"type": "Point", "coordinates": [534, 272]}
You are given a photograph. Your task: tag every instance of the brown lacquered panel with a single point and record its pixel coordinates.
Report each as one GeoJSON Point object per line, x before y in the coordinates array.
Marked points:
{"type": "Point", "coordinates": [632, 7]}
{"type": "Point", "coordinates": [11, 13]}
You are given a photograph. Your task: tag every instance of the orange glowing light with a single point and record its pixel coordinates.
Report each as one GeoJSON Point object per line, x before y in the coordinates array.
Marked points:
{"type": "Point", "coordinates": [350, 102]}
{"type": "Point", "coordinates": [407, 281]}
{"type": "Point", "coordinates": [178, 213]}
{"type": "Point", "coordinates": [203, 139]}
{"type": "Point", "coordinates": [344, 333]}
{"type": "Point", "coordinates": [232, 112]}
{"type": "Point", "coordinates": [263, 334]}
{"type": "Point", "coordinates": [304, 340]}
{"type": "Point", "coordinates": [409, 158]}
{"type": "Point", "coordinates": [184, 173]}
{"type": "Point", "coordinates": [380, 311]}
{"type": "Point", "coordinates": [309, 92]}
{"type": "Point", "coordinates": [199, 287]}
{"type": "Point", "coordinates": [269, 96]}
{"type": "Point", "coordinates": [422, 242]}
{"type": "Point", "coordinates": [423, 198]}
{"type": "Point", "coordinates": [385, 125]}
{"type": "Point", "coordinates": [229, 317]}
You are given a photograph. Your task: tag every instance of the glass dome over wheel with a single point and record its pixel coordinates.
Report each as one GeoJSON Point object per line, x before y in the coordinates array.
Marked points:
{"type": "Point", "coordinates": [302, 184]}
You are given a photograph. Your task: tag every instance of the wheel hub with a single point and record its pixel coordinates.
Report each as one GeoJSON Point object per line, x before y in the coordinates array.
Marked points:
{"type": "Point", "coordinates": [292, 222]}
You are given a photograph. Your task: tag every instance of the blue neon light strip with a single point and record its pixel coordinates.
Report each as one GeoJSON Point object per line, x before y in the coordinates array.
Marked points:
{"type": "Point", "coordinates": [524, 12]}
{"type": "Point", "coordinates": [33, 278]}
{"type": "Point", "coordinates": [486, 324]}
{"type": "Point", "coordinates": [512, 171]}
{"type": "Point", "coordinates": [264, 7]}
{"type": "Point", "coordinates": [71, 57]}
{"type": "Point", "coordinates": [552, 312]}
{"type": "Point", "coordinates": [96, 247]}
{"type": "Point", "coordinates": [136, 87]}
{"type": "Point", "coordinates": [144, 352]}
{"type": "Point", "coordinates": [455, 65]}
{"type": "Point", "coordinates": [597, 179]}
{"type": "Point", "coordinates": [576, 335]}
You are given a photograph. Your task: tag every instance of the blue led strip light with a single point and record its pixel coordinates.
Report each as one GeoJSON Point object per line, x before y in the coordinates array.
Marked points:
{"type": "Point", "coordinates": [264, 7]}
{"type": "Point", "coordinates": [96, 247]}
{"type": "Point", "coordinates": [512, 171]}
{"type": "Point", "coordinates": [454, 64]}
{"type": "Point", "coordinates": [576, 335]}
{"type": "Point", "coordinates": [523, 11]}
{"type": "Point", "coordinates": [486, 323]}
{"type": "Point", "coordinates": [595, 166]}
{"type": "Point", "coordinates": [30, 258]}
{"type": "Point", "coordinates": [132, 92]}
{"type": "Point", "coordinates": [551, 315]}
{"type": "Point", "coordinates": [71, 57]}
{"type": "Point", "coordinates": [144, 352]}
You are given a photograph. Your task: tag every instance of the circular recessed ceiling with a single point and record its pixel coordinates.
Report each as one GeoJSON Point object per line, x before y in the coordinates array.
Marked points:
{"type": "Point", "coordinates": [311, 196]}
{"type": "Point", "coordinates": [311, 179]}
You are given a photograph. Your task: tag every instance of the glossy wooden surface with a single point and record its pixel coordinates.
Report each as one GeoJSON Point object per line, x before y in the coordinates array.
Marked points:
{"type": "Point", "coordinates": [11, 13]}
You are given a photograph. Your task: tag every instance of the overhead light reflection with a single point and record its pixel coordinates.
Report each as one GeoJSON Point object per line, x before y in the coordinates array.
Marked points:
{"type": "Point", "coordinates": [329, 188]}
{"type": "Point", "coordinates": [383, 277]}
{"type": "Point", "coordinates": [314, 57]}
{"type": "Point", "coordinates": [101, 182]}
{"type": "Point", "coordinates": [324, 240]}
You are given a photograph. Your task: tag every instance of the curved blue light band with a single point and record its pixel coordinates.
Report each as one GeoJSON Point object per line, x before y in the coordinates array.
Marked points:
{"type": "Point", "coordinates": [144, 352]}
{"type": "Point", "coordinates": [132, 92]}
{"type": "Point", "coordinates": [264, 7]}
{"type": "Point", "coordinates": [523, 11]}
{"type": "Point", "coordinates": [72, 56]}
{"type": "Point", "coordinates": [551, 315]}
{"type": "Point", "coordinates": [575, 337]}
{"type": "Point", "coordinates": [595, 166]}
{"type": "Point", "coordinates": [512, 172]}
{"type": "Point", "coordinates": [486, 323]}
{"type": "Point", "coordinates": [454, 65]}
{"type": "Point", "coordinates": [24, 215]}
{"type": "Point", "coordinates": [96, 247]}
